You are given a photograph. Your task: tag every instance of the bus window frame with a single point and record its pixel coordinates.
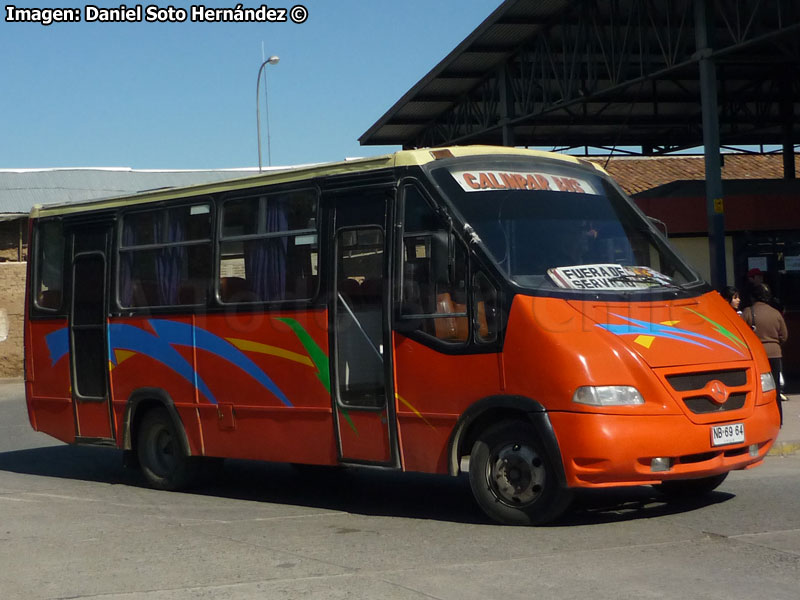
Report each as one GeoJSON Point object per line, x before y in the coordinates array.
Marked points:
{"type": "Point", "coordinates": [255, 192]}
{"type": "Point", "coordinates": [38, 311]}
{"type": "Point", "coordinates": [119, 249]}
{"type": "Point", "coordinates": [334, 351]}
{"type": "Point", "coordinates": [73, 326]}
{"type": "Point", "coordinates": [475, 265]}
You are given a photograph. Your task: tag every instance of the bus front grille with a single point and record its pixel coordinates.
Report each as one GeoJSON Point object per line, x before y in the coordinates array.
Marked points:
{"type": "Point", "coordinates": [700, 405]}
{"type": "Point", "coordinates": [686, 382]}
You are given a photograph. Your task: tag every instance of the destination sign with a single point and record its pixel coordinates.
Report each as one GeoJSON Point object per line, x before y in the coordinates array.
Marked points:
{"type": "Point", "coordinates": [606, 277]}
{"type": "Point", "coordinates": [481, 181]}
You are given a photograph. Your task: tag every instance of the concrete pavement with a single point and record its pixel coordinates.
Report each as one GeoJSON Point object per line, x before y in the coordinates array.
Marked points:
{"type": "Point", "coordinates": [74, 524]}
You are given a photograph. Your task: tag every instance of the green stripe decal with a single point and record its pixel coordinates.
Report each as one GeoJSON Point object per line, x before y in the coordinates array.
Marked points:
{"type": "Point", "coordinates": [318, 357]}
{"type": "Point", "coordinates": [720, 329]}
{"type": "Point", "coordinates": [315, 353]}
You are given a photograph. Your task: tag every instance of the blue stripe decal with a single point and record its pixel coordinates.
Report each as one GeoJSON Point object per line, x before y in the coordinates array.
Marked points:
{"type": "Point", "coordinates": [159, 347]}
{"type": "Point", "coordinates": [129, 337]}
{"type": "Point", "coordinates": [182, 334]}
{"type": "Point", "coordinates": [57, 344]}
{"type": "Point", "coordinates": [636, 327]}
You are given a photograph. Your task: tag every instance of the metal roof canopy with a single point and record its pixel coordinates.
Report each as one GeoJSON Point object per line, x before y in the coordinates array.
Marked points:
{"type": "Point", "coordinates": [661, 75]}
{"type": "Point", "coordinates": [571, 73]}
{"type": "Point", "coordinates": [21, 189]}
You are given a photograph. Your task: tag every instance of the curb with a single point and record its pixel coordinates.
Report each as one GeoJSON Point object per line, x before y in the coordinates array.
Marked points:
{"type": "Point", "coordinates": [784, 449]}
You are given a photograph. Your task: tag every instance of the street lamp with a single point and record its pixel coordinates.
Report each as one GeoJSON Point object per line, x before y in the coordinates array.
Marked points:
{"type": "Point", "coordinates": [272, 60]}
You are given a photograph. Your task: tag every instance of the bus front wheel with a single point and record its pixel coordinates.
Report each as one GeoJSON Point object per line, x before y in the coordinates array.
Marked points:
{"type": "Point", "coordinates": [512, 478]}
{"type": "Point", "coordinates": [162, 458]}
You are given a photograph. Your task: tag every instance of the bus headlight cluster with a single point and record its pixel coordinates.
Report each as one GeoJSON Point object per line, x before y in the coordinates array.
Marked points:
{"type": "Point", "coordinates": [608, 395]}
{"type": "Point", "coordinates": [767, 382]}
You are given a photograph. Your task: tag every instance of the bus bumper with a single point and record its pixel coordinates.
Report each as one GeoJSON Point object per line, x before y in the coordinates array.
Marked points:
{"type": "Point", "coordinates": [601, 450]}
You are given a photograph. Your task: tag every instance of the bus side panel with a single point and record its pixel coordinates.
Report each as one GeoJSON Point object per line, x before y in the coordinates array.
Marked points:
{"type": "Point", "coordinates": [365, 435]}
{"type": "Point", "coordinates": [48, 386]}
{"type": "Point", "coordinates": [432, 390]}
{"type": "Point", "coordinates": [144, 353]}
{"type": "Point", "coordinates": [268, 373]}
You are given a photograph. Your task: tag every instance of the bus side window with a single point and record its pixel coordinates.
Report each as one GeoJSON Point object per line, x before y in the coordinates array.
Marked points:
{"type": "Point", "coordinates": [49, 283]}
{"type": "Point", "coordinates": [165, 256]}
{"type": "Point", "coordinates": [433, 293]}
{"type": "Point", "coordinates": [269, 248]}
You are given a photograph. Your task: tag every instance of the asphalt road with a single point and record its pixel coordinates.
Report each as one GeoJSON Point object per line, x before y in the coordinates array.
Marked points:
{"type": "Point", "coordinates": [75, 524]}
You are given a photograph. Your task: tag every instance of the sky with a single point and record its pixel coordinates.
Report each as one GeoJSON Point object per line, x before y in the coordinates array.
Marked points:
{"type": "Point", "coordinates": [182, 95]}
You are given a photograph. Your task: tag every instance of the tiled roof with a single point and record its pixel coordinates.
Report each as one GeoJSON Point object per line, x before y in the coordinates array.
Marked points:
{"type": "Point", "coordinates": [639, 173]}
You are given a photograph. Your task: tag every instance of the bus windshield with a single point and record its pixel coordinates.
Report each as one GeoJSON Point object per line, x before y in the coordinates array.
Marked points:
{"type": "Point", "coordinates": [560, 227]}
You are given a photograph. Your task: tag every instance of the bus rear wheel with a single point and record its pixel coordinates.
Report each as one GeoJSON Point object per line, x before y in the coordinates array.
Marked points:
{"type": "Point", "coordinates": [512, 478]}
{"type": "Point", "coordinates": [690, 488]}
{"type": "Point", "coordinates": [162, 458]}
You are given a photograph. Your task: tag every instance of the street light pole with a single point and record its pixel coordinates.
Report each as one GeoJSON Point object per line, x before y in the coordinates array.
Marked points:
{"type": "Point", "coordinates": [272, 60]}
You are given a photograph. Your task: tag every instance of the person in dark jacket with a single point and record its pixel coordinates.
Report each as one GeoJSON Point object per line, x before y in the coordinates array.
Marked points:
{"type": "Point", "coordinates": [769, 326]}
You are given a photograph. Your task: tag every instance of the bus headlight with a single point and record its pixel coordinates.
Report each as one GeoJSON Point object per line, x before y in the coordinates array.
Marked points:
{"type": "Point", "coordinates": [767, 383]}
{"type": "Point", "coordinates": [608, 395]}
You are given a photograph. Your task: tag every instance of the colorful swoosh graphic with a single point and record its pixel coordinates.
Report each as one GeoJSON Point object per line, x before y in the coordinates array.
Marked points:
{"type": "Point", "coordinates": [669, 331]}
{"type": "Point", "coordinates": [320, 360]}
{"type": "Point", "coordinates": [317, 355]}
{"type": "Point", "coordinates": [134, 339]}
{"type": "Point", "coordinates": [722, 330]}
{"type": "Point", "coordinates": [160, 347]}
{"type": "Point", "coordinates": [184, 334]}
{"type": "Point", "coordinates": [413, 409]}
{"type": "Point", "coordinates": [259, 348]}
{"type": "Point", "coordinates": [57, 344]}
{"type": "Point", "coordinates": [126, 340]}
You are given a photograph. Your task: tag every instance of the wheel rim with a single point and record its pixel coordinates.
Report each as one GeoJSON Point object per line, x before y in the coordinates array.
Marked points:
{"type": "Point", "coordinates": [162, 451]}
{"type": "Point", "coordinates": [516, 474]}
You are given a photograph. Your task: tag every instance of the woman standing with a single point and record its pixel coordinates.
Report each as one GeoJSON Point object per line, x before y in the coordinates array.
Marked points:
{"type": "Point", "coordinates": [731, 294]}
{"type": "Point", "coordinates": [769, 326]}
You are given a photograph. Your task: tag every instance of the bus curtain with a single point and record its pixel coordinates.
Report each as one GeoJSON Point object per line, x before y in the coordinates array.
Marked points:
{"type": "Point", "coordinates": [170, 259]}
{"type": "Point", "coordinates": [168, 266]}
{"type": "Point", "coordinates": [265, 259]}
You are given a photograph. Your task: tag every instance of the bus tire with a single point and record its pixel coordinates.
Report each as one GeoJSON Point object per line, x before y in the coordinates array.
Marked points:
{"type": "Point", "coordinates": [690, 488]}
{"type": "Point", "coordinates": [162, 458]}
{"type": "Point", "coordinates": [512, 477]}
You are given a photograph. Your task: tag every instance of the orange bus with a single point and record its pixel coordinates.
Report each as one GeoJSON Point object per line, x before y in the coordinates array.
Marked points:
{"type": "Point", "coordinates": [504, 313]}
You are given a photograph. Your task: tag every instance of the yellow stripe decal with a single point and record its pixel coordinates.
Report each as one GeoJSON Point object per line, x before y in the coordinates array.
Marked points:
{"type": "Point", "coordinates": [414, 410]}
{"type": "Point", "coordinates": [249, 346]}
{"type": "Point", "coordinates": [123, 355]}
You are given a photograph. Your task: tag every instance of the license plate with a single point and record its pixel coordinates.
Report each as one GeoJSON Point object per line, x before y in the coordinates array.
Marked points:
{"type": "Point", "coordinates": [722, 435]}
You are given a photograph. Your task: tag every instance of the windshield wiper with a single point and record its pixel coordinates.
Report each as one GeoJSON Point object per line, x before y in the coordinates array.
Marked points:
{"type": "Point", "coordinates": [647, 279]}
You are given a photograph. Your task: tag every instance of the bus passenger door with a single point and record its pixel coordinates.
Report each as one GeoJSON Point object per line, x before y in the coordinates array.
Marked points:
{"type": "Point", "coordinates": [88, 337]}
{"type": "Point", "coordinates": [361, 371]}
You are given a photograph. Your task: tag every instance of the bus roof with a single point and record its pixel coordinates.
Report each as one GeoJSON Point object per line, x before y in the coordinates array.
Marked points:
{"type": "Point", "coordinates": [402, 158]}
